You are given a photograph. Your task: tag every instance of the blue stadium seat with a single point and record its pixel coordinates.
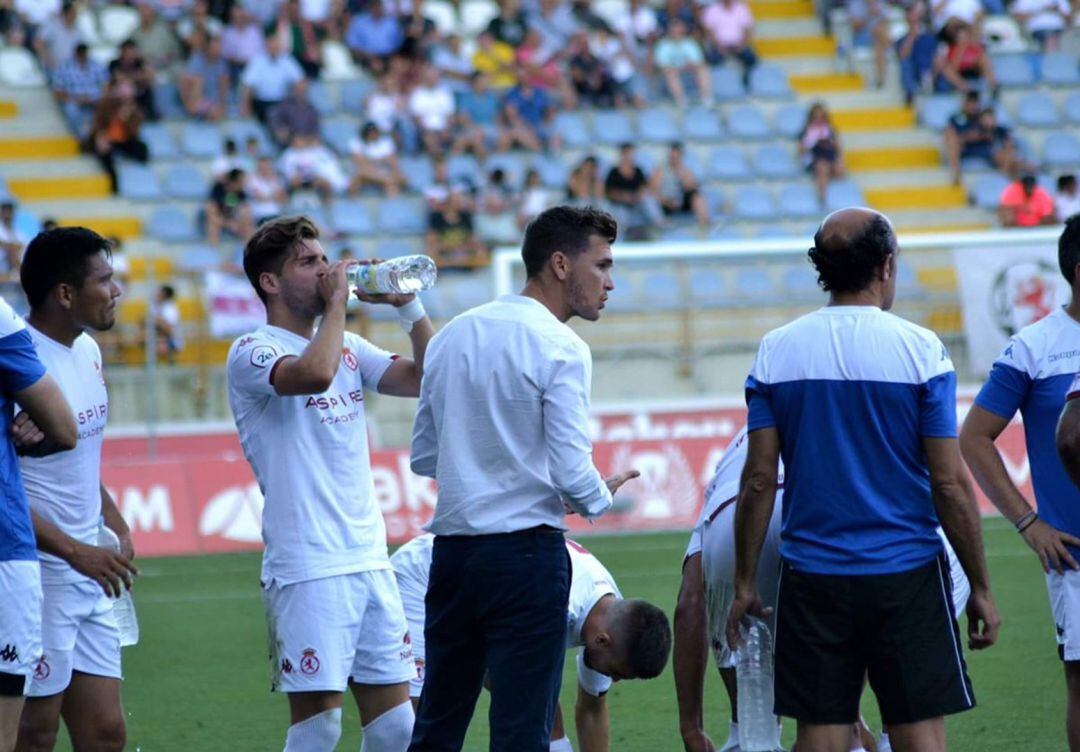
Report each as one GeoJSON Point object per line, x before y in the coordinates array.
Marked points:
{"type": "Point", "coordinates": [319, 96]}
{"type": "Point", "coordinates": [353, 94]}
{"type": "Point", "coordinates": [799, 201]}
{"type": "Point", "coordinates": [418, 171]}
{"type": "Point", "coordinates": [679, 233]}
{"type": "Point", "coordinates": [753, 282]}
{"type": "Point", "coordinates": [1060, 69]}
{"type": "Point", "coordinates": [1037, 110]}
{"type": "Point", "coordinates": [613, 127]}
{"type": "Point", "coordinates": [753, 203]}
{"type": "Point", "coordinates": [663, 291]}
{"type": "Point", "coordinates": [725, 233]}
{"type": "Point", "coordinates": [789, 119]}
{"type": "Point", "coordinates": [351, 217]}
{"type": "Point", "coordinates": [395, 247]}
{"type": "Point", "coordinates": [716, 200]}
{"type": "Point", "coordinates": [625, 295]}
{"type": "Point", "coordinates": [772, 232]}
{"type": "Point", "coordinates": [707, 288]}
{"type": "Point", "coordinates": [728, 163]}
{"type": "Point", "coordinates": [402, 216]}
{"type": "Point", "coordinates": [553, 173]}
{"type": "Point", "coordinates": [1071, 108]}
{"type": "Point", "coordinates": [573, 129]}
{"type": "Point", "coordinates": [907, 282]}
{"type": "Point", "coordinates": [171, 225]}
{"type": "Point", "coordinates": [511, 163]}
{"type": "Point", "coordinates": [1013, 70]}
{"type": "Point", "coordinates": [658, 126]}
{"type": "Point", "coordinates": [748, 122]}
{"type": "Point", "coordinates": [935, 111]}
{"type": "Point", "coordinates": [800, 283]}
{"type": "Point", "coordinates": [702, 124]}
{"type": "Point", "coordinates": [242, 130]}
{"type": "Point", "coordinates": [464, 168]}
{"type": "Point", "coordinates": [185, 182]}
{"type": "Point", "coordinates": [199, 258]}
{"type": "Point", "coordinates": [1061, 149]}
{"type": "Point", "coordinates": [727, 84]}
{"type": "Point", "coordinates": [986, 190]}
{"type": "Point", "coordinates": [137, 182]}
{"type": "Point", "coordinates": [769, 81]}
{"type": "Point", "coordinates": [842, 194]}
{"type": "Point", "coordinates": [773, 161]}
{"type": "Point", "coordinates": [337, 134]}
{"type": "Point", "coordinates": [471, 291]}
{"type": "Point", "coordinates": [167, 101]}
{"type": "Point", "coordinates": [159, 141]}
{"type": "Point", "coordinates": [200, 140]}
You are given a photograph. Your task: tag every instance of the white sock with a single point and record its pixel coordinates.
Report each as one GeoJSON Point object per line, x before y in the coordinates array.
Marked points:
{"type": "Point", "coordinates": [883, 744]}
{"type": "Point", "coordinates": [733, 731]}
{"type": "Point", "coordinates": [391, 731]}
{"type": "Point", "coordinates": [561, 745]}
{"type": "Point", "coordinates": [319, 733]}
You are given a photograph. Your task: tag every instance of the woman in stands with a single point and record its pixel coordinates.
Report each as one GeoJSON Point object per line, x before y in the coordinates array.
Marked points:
{"type": "Point", "coordinates": [819, 149]}
{"type": "Point", "coordinates": [963, 64]}
{"type": "Point", "coordinates": [584, 185]}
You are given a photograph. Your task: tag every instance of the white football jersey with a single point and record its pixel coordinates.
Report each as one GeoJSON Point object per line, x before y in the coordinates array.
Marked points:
{"type": "Point", "coordinates": [65, 488]}
{"type": "Point", "coordinates": [311, 458]}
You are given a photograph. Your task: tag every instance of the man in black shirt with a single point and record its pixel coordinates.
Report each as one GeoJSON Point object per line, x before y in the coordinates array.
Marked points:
{"type": "Point", "coordinates": [632, 195]}
{"type": "Point", "coordinates": [227, 208]}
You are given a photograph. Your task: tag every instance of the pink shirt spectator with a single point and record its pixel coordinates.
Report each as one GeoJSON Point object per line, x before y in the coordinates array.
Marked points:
{"type": "Point", "coordinates": [728, 25]}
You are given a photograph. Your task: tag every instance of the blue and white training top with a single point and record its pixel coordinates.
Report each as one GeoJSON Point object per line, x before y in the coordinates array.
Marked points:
{"type": "Point", "coordinates": [852, 391]}
{"type": "Point", "coordinates": [1033, 375]}
{"type": "Point", "coordinates": [19, 369]}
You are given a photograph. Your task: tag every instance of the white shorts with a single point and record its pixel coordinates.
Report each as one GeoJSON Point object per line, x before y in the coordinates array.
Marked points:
{"type": "Point", "coordinates": [324, 632]}
{"type": "Point", "coordinates": [20, 623]}
{"type": "Point", "coordinates": [412, 601]}
{"type": "Point", "coordinates": [718, 572]}
{"type": "Point", "coordinates": [78, 633]}
{"type": "Point", "coordinates": [1064, 592]}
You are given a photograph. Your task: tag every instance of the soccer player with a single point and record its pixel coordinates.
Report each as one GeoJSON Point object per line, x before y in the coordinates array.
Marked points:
{"type": "Point", "coordinates": [1068, 432]}
{"type": "Point", "coordinates": [68, 281]}
{"type": "Point", "coordinates": [1033, 375]}
{"type": "Point", "coordinates": [861, 405]}
{"type": "Point", "coordinates": [616, 638]}
{"type": "Point", "coordinates": [23, 380]}
{"type": "Point", "coordinates": [297, 395]}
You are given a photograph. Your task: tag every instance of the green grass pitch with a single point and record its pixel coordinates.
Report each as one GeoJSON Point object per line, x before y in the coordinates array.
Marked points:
{"type": "Point", "coordinates": [199, 680]}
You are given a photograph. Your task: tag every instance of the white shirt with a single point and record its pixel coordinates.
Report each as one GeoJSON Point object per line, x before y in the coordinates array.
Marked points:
{"type": "Point", "coordinates": [315, 161]}
{"type": "Point", "coordinates": [1066, 205]}
{"type": "Point", "coordinates": [65, 488]}
{"type": "Point", "coordinates": [316, 11]}
{"type": "Point", "coordinates": [37, 11]}
{"type": "Point", "coordinates": [270, 78]}
{"type": "Point", "coordinates": [310, 457]}
{"type": "Point", "coordinates": [262, 194]}
{"type": "Point", "coordinates": [383, 109]}
{"type": "Point", "coordinates": [170, 313]}
{"type": "Point", "coordinates": [508, 385]}
{"type": "Point", "coordinates": [965, 10]}
{"type": "Point", "coordinates": [1043, 14]}
{"type": "Point", "coordinates": [432, 107]}
{"type": "Point", "coordinates": [381, 148]}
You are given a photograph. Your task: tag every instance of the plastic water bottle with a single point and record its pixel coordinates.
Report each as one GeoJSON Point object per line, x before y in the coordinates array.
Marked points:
{"type": "Point", "coordinates": [124, 606]}
{"type": "Point", "coordinates": [758, 730]}
{"type": "Point", "coordinates": [405, 275]}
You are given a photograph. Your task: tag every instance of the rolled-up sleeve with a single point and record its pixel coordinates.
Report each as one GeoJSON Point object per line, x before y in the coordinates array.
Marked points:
{"type": "Point", "coordinates": [424, 449]}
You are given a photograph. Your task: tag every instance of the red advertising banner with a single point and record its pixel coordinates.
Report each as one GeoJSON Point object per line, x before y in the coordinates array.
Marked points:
{"type": "Point", "coordinates": [199, 496]}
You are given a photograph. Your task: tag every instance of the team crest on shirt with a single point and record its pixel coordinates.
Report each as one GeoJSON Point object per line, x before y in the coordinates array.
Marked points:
{"type": "Point", "coordinates": [349, 359]}
{"type": "Point", "coordinates": [262, 356]}
{"type": "Point", "coordinates": [309, 662]}
{"type": "Point", "coordinates": [41, 669]}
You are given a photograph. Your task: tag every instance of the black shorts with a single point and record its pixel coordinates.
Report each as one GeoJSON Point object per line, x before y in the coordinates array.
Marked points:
{"type": "Point", "coordinates": [832, 631]}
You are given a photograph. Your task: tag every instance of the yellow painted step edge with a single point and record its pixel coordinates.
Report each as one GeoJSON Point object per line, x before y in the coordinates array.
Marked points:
{"type": "Point", "coordinates": [827, 82]}
{"type": "Point", "coordinates": [916, 197]}
{"type": "Point", "coordinates": [59, 188]}
{"type": "Point", "coordinates": [903, 158]}
{"type": "Point", "coordinates": [49, 147]}
{"type": "Point", "coordinates": [125, 228]}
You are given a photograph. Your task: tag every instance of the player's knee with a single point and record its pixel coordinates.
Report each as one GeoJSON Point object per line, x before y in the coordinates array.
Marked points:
{"type": "Point", "coordinates": [109, 735]}
{"type": "Point", "coordinates": [319, 733]}
{"type": "Point", "coordinates": [391, 731]}
{"type": "Point", "coordinates": [37, 734]}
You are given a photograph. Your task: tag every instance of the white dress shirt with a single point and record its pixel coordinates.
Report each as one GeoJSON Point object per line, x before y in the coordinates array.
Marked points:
{"type": "Point", "coordinates": [502, 423]}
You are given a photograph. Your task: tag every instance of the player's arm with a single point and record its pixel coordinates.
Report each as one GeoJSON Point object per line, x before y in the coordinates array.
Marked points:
{"type": "Point", "coordinates": [44, 403]}
{"type": "Point", "coordinates": [980, 431]}
{"type": "Point", "coordinates": [753, 510]}
{"type": "Point", "coordinates": [591, 722]}
{"type": "Point", "coordinates": [402, 378]}
{"type": "Point", "coordinates": [116, 522]}
{"type": "Point", "coordinates": [111, 570]}
{"type": "Point", "coordinates": [1068, 439]}
{"type": "Point", "coordinates": [691, 655]}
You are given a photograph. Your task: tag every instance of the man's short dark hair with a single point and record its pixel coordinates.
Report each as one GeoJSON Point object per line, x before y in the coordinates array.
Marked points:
{"type": "Point", "coordinates": [647, 634]}
{"type": "Point", "coordinates": [972, 96]}
{"type": "Point", "coordinates": [1066, 182]}
{"type": "Point", "coordinates": [168, 292]}
{"type": "Point", "coordinates": [563, 228]}
{"type": "Point", "coordinates": [1069, 248]}
{"type": "Point", "coordinates": [847, 264]}
{"type": "Point", "coordinates": [269, 247]}
{"type": "Point", "coordinates": [59, 256]}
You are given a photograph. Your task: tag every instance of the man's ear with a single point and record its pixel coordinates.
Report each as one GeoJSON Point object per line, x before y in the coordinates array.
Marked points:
{"type": "Point", "coordinates": [269, 283]}
{"type": "Point", "coordinates": [603, 640]}
{"type": "Point", "coordinates": [64, 294]}
{"type": "Point", "coordinates": [560, 265]}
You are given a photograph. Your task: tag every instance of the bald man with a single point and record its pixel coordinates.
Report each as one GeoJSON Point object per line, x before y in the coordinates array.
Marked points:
{"type": "Point", "coordinates": [861, 406]}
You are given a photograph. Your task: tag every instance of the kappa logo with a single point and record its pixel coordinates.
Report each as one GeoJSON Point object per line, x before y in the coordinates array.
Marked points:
{"type": "Point", "coordinates": [10, 653]}
{"type": "Point", "coordinates": [349, 359]}
{"type": "Point", "coordinates": [42, 670]}
{"type": "Point", "coordinates": [309, 662]}
{"type": "Point", "coordinates": [286, 666]}
{"type": "Point", "coordinates": [262, 356]}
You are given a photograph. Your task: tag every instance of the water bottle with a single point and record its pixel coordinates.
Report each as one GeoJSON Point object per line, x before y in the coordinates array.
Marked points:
{"type": "Point", "coordinates": [758, 730]}
{"type": "Point", "coordinates": [123, 607]}
{"type": "Point", "coordinates": [405, 275]}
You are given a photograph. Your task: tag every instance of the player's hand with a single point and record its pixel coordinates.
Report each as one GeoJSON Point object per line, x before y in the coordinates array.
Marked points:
{"type": "Point", "coordinates": [615, 482]}
{"type": "Point", "coordinates": [24, 432]}
{"type": "Point", "coordinates": [107, 568]}
{"type": "Point", "coordinates": [983, 620]}
{"type": "Point", "coordinates": [332, 286]}
{"type": "Point", "coordinates": [127, 546]}
{"type": "Point", "coordinates": [395, 299]}
{"type": "Point", "coordinates": [697, 741]}
{"type": "Point", "coordinates": [747, 603]}
{"type": "Point", "coordinates": [1049, 544]}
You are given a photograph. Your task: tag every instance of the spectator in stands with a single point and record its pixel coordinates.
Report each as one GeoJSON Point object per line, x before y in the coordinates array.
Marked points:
{"type": "Point", "coordinates": [948, 12]}
{"type": "Point", "coordinates": [420, 32]}
{"type": "Point", "coordinates": [677, 53]}
{"type": "Point", "coordinates": [199, 22]}
{"type": "Point", "coordinates": [49, 223]}
{"type": "Point", "coordinates": [295, 115]}
{"type": "Point", "coordinates": [155, 38]}
{"type": "Point", "coordinates": [478, 120]}
{"type": "Point", "coordinates": [120, 265]}
{"type": "Point", "coordinates": [77, 85]}
{"type": "Point", "coordinates": [915, 53]}
{"type": "Point", "coordinates": [387, 107]}
{"type": "Point", "coordinates": [870, 28]}
{"type": "Point", "coordinates": [679, 189]}
{"type": "Point", "coordinates": [590, 77]}
{"type": "Point", "coordinates": [1044, 20]}
{"type": "Point", "coordinates": [12, 242]}
{"type": "Point", "coordinates": [267, 79]}
{"type": "Point", "coordinates": [230, 159]}
{"type": "Point", "coordinates": [57, 38]}
{"type": "Point", "coordinates": [554, 21]}
{"type": "Point", "coordinates": [170, 10]}
{"type": "Point", "coordinates": [227, 208]}
{"type": "Point", "coordinates": [585, 186]}
{"type": "Point", "coordinates": [632, 195]}
{"type": "Point", "coordinates": [682, 10]}
{"type": "Point", "coordinates": [974, 133]}
{"type": "Point", "coordinates": [540, 68]}
{"type": "Point", "coordinates": [374, 159]}
{"type": "Point", "coordinates": [437, 193]}
{"type": "Point", "coordinates": [496, 59]}
{"type": "Point", "coordinates": [639, 26]}
{"type": "Point", "coordinates": [308, 164]}
{"type": "Point", "coordinates": [324, 15]}
{"type": "Point", "coordinates": [535, 198]}
{"type": "Point", "coordinates": [617, 57]}
{"type": "Point", "coordinates": [373, 36]}
{"type": "Point", "coordinates": [1066, 198]}
{"type": "Point", "coordinates": [115, 128]}
{"type": "Point", "coordinates": [528, 109]}
{"type": "Point", "coordinates": [730, 31]}
{"type": "Point", "coordinates": [204, 82]}
{"type": "Point", "coordinates": [962, 65]}
{"type": "Point", "coordinates": [431, 106]}
{"type": "Point", "coordinates": [819, 149]}
{"type": "Point", "coordinates": [265, 191]}
{"type": "Point", "coordinates": [455, 67]}
{"type": "Point", "coordinates": [299, 38]}
{"type": "Point", "coordinates": [451, 239]}
{"type": "Point", "coordinates": [242, 40]}
{"type": "Point", "coordinates": [1026, 204]}
{"type": "Point", "coordinates": [168, 328]}
{"type": "Point", "coordinates": [495, 210]}
{"type": "Point", "coordinates": [509, 27]}
{"type": "Point", "coordinates": [130, 66]}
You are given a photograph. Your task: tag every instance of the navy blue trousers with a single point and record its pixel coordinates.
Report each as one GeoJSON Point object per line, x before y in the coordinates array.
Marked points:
{"type": "Point", "coordinates": [495, 604]}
